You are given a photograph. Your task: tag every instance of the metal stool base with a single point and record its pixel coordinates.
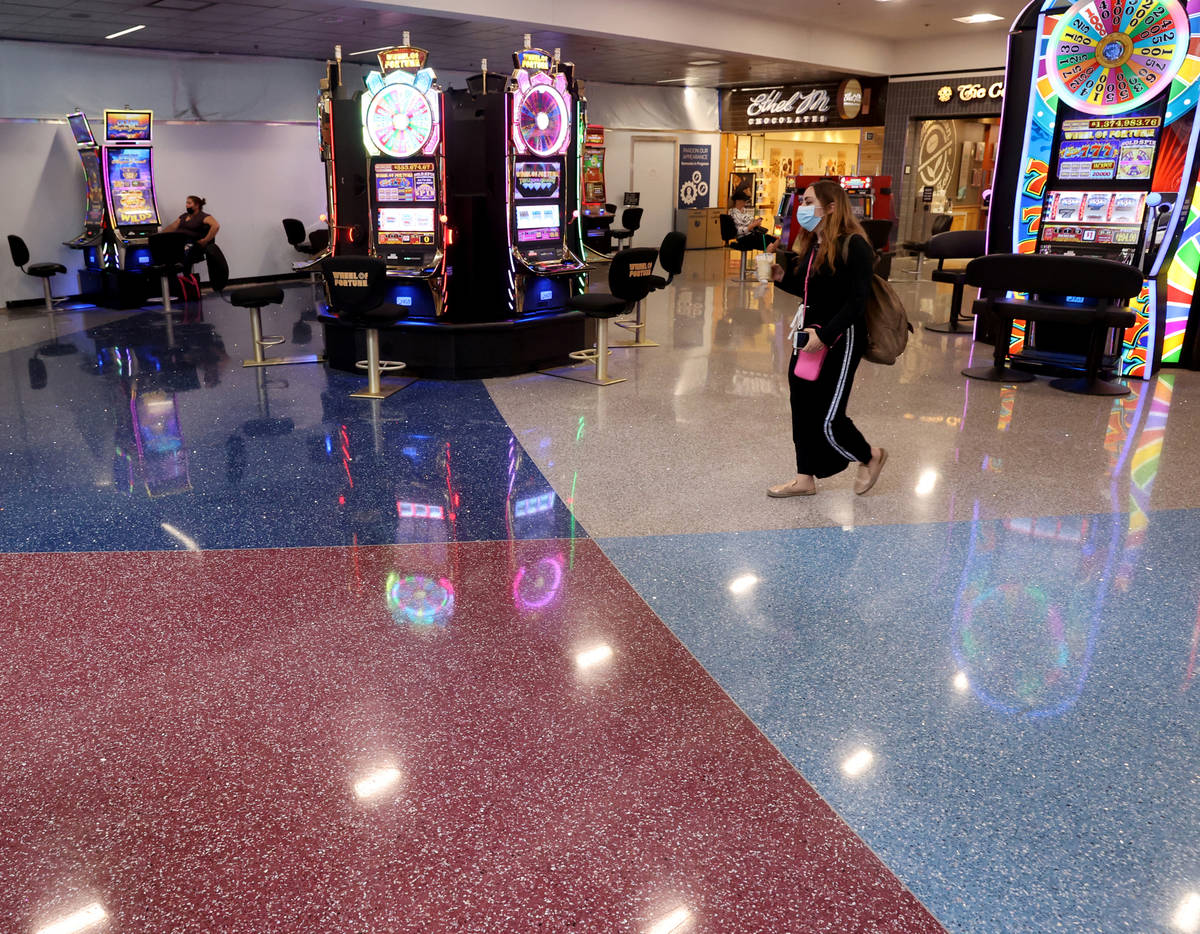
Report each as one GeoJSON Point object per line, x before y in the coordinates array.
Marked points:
{"type": "Point", "coordinates": [952, 327]}
{"type": "Point", "coordinates": [278, 361]}
{"type": "Point", "coordinates": [581, 375]}
{"type": "Point", "coordinates": [998, 374]}
{"type": "Point", "coordinates": [1090, 387]}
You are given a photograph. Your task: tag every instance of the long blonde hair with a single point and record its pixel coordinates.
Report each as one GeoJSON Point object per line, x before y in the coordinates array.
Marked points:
{"type": "Point", "coordinates": [837, 224]}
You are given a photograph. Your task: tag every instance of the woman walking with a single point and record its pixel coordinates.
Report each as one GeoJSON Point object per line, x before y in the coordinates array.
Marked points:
{"type": "Point", "coordinates": [831, 272]}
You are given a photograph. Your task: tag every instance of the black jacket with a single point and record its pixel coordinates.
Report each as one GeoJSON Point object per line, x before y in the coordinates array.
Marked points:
{"type": "Point", "coordinates": [837, 298]}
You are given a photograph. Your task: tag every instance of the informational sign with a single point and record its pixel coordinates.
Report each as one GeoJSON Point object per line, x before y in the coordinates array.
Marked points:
{"type": "Point", "coordinates": [968, 93]}
{"type": "Point", "coordinates": [632, 199]}
{"type": "Point", "coordinates": [695, 163]}
{"type": "Point", "coordinates": [852, 102]}
{"type": "Point", "coordinates": [927, 194]}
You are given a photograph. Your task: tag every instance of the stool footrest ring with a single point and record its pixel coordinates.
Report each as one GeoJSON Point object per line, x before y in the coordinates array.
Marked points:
{"type": "Point", "coordinates": [271, 341]}
{"type": "Point", "coordinates": [385, 366]}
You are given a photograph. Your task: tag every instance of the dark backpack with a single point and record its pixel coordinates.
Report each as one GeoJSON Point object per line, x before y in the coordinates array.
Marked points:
{"type": "Point", "coordinates": [888, 326]}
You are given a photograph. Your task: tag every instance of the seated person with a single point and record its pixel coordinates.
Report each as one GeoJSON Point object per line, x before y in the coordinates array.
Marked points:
{"type": "Point", "coordinates": [751, 233]}
{"type": "Point", "coordinates": [193, 223]}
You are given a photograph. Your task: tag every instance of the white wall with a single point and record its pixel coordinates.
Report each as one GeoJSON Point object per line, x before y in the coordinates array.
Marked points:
{"type": "Point", "coordinates": [253, 176]}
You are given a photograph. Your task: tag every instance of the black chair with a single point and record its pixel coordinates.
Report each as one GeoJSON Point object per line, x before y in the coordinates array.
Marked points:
{"type": "Point", "coordinates": [879, 232]}
{"type": "Point", "coordinates": [670, 257]}
{"type": "Point", "coordinates": [1112, 284]}
{"type": "Point", "coordinates": [309, 244]}
{"type": "Point", "coordinates": [168, 254]}
{"type": "Point", "coordinates": [729, 236]}
{"type": "Point", "coordinates": [631, 220]}
{"type": "Point", "coordinates": [357, 287]}
{"type": "Point", "coordinates": [629, 277]}
{"type": "Point", "coordinates": [45, 272]}
{"type": "Point", "coordinates": [956, 244]}
{"type": "Point", "coordinates": [941, 224]}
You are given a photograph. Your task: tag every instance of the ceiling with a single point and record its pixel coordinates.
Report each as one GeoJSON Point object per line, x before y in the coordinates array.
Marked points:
{"type": "Point", "coordinates": [309, 29]}
{"type": "Point", "coordinates": [890, 19]}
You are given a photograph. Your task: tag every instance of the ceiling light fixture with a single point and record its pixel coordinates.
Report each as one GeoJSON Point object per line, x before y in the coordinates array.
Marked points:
{"type": "Point", "coordinates": [706, 61]}
{"type": "Point", "coordinates": [600, 653]}
{"type": "Point", "coordinates": [125, 32]}
{"type": "Point", "coordinates": [978, 18]}
{"type": "Point", "coordinates": [670, 80]}
{"type": "Point", "coordinates": [79, 921]}
{"type": "Point", "coordinates": [857, 763]}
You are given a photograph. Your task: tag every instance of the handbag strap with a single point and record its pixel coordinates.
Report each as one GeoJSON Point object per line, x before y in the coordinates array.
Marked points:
{"type": "Point", "coordinates": [807, 275]}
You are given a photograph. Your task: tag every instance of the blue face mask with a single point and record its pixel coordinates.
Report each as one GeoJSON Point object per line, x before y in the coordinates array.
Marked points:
{"type": "Point", "coordinates": [806, 216]}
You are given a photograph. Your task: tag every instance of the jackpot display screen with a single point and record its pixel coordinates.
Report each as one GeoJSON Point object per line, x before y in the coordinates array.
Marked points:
{"type": "Point", "coordinates": [399, 182]}
{"type": "Point", "coordinates": [130, 185]}
{"type": "Point", "coordinates": [127, 126]}
{"type": "Point", "coordinates": [537, 179]}
{"type": "Point", "coordinates": [1105, 149]}
{"type": "Point", "coordinates": [80, 129]}
{"type": "Point", "coordinates": [1101, 219]}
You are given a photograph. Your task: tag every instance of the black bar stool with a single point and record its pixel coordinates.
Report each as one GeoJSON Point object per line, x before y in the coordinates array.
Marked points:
{"type": "Point", "coordinates": [628, 283]}
{"type": "Point", "coordinates": [357, 287]}
{"type": "Point", "coordinates": [45, 272]}
{"type": "Point", "coordinates": [956, 244]}
{"type": "Point", "coordinates": [631, 220]}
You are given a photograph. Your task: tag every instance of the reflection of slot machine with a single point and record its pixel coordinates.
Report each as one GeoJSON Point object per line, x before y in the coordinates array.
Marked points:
{"type": "Point", "coordinates": [527, 131]}
{"type": "Point", "coordinates": [1096, 156]}
{"type": "Point", "coordinates": [533, 515]}
{"type": "Point", "coordinates": [1024, 643]}
{"type": "Point", "coordinates": [402, 132]}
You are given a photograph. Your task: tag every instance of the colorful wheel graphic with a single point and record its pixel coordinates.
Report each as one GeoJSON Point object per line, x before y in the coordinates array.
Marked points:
{"type": "Point", "coordinates": [1110, 56]}
{"type": "Point", "coordinates": [415, 598]}
{"type": "Point", "coordinates": [399, 120]}
{"type": "Point", "coordinates": [542, 120]}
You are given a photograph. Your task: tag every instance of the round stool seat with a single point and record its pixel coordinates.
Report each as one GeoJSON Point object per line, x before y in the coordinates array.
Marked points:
{"type": "Point", "coordinates": [620, 232]}
{"type": "Point", "coordinates": [45, 270]}
{"type": "Point", "coordinates": [255, 296]}
{"type": "Point", "coordinates": [598, 305]}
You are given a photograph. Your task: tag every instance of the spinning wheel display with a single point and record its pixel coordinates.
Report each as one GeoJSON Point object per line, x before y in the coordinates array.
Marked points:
{"type": "Point", "coordinates": [542, 120]}
{"type": "Point", "coordinates": [399, 120]}
{"type": "Point", "coordinates": [1110, 56]}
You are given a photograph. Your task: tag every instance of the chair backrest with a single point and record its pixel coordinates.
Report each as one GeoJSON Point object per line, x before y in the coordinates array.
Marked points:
{"type": "Point", "coordinates": [18, 249]}
{"type": "Point", "coordinates": [630, 272]}
{"type": "Point", "coordinates": [877, 232]}
{"type": "Point", "coordinates": [957, 244]}
{"type": "Point", "coordinates": [1036, 273]}
{"type": "Point", "coordinates": [167, 249]}
{"type": "Point", "coordinates": [941, 223]}
{"type": "Point", "coordinates": [355, 284]}
{"type": "Point", "coordinates": [670, 254]}
{"type": "Point", "coordinates": [631, 218]}
{"type": "Point", "coordinates": [610, 208]}
{"type": "Point", "coordinates": [218, 267]}
{"type": "Point", "coordinates": [293, 229]}
{"type": "Point", "coordinates": [728, 228]}
{"type": "Point", "coordinates": [319, 240]}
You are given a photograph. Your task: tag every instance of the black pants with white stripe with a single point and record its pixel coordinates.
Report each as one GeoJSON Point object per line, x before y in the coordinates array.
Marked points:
{"type": "Point", "coordinates": [825, 438]}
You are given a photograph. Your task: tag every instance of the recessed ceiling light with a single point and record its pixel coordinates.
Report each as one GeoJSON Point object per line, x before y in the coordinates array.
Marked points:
{"type": "Point", "coordinates": [706, 61]}
{"type": "Point", "coordinates": [189, 6]}
{"type": "Point", "coordinates": [978, 18]}
{"type": "Point", "coordinates": [670, 80]}
{"type": "Point", "coordinates": [125, 32]}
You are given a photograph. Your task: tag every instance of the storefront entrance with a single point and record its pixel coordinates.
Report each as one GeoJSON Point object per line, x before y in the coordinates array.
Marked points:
{"type": "Point", "coordinates": [952, 162]}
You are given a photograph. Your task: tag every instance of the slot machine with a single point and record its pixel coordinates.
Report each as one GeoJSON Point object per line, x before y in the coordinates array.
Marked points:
{"type": "Point", "coordinates": [870, 197]}
{"type": "Point", "coordinates": [129, 188]}
{"type": "Point", "coordinates": [1097, 158]}
{"type": "Point", "coordinates": [90, 241]}
{"type": "Point", "coordinates": [594, 217]}
{"type": "Point", "coordinates": [402, 133]}
{"type": "Point", "coordinates": [513, 160]}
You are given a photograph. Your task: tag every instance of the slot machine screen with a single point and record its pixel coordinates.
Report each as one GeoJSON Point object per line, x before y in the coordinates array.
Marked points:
{"type": "Point", "coordinates": [538, 222]}
{"type": "Point", "coordinates": [131, 187]}
{"type": "Point", "coordinates": [403, 221]}
{"type": "Point", "coordinates": [1104, 149]}
{"type": "Point", "coordinates": [127, 126]}
{"type": "Point", "coordinates": [80, 129]}
{"type": "Point", "coordinates": [93, 187]}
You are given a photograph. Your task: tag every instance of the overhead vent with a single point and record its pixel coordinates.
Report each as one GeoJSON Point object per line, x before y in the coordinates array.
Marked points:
{"type": "Point", "coordinates": [188, 6]}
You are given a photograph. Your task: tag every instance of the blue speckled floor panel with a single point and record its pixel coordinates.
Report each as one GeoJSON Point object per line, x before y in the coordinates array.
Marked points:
{"type": "Point", "coordinates": [1025, 690]}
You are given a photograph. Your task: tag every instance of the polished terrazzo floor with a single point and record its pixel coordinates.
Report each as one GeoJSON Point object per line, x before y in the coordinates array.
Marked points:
{"type": "Point", "coordinates": [526, 655]}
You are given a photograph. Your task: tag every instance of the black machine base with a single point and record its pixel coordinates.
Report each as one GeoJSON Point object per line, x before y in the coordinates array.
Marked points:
{"type": "Point", "coordinates": [445, 350]}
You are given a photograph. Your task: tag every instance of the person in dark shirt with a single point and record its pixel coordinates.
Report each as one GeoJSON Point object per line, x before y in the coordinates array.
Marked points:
{"type": "Point", "coordinates": [831, 271]}
{"type": "Point", "coordinates": [193, 223]}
